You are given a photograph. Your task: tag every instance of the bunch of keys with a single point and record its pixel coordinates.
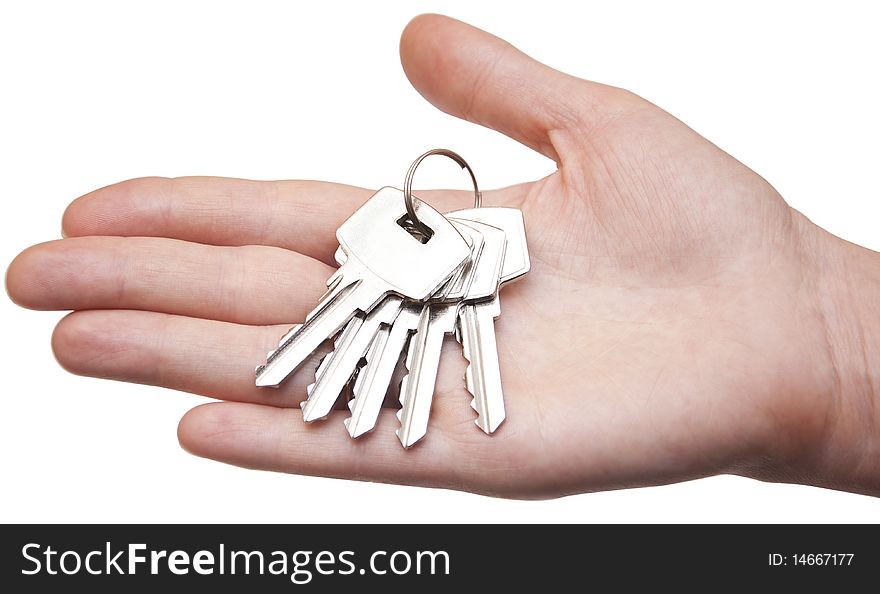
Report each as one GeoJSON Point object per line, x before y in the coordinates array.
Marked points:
{"type": "Point", "coordinates": [408, 276]}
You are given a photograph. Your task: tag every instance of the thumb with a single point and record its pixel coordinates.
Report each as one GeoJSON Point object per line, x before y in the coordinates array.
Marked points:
{"type": "Point", "coordinates": [476, 76]}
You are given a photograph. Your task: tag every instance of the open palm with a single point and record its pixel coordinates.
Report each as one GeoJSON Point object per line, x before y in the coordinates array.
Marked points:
{"type": "Point", "coordinates": [664, 332]}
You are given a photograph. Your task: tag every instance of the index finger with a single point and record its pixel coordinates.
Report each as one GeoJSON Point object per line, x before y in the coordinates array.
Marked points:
{"type": "Point", "coordinates": [297, 215]}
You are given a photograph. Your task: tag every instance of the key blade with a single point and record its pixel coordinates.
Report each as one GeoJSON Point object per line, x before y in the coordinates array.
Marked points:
{"type": "Point", "coordinates": [322, 364]}
{"type": "Point", "coordinates": [284, 339]}
{"type": "Point", "coordinates": [364, 411]}
{"type": "Point", "coordinates": [321, 324]}
{"type": "Point", "coordinates": [332, 374]}
{"type": "Point", "coordinates": [343, 361]}
{"type": "Point", "coordinates": [375, 377]}
{"type": "Point", "coordinates": [422, 363]}
{"type": "Point", "coordinates": [483, 374]}
{"type": "Point", "coordinates": [385, 258]}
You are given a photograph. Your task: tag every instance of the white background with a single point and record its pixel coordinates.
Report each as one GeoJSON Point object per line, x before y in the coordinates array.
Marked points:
{"type": "Point", "coordinates": [92, 93]}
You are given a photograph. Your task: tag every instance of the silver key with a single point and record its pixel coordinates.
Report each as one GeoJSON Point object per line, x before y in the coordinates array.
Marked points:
{"type": "Point", "coordinates": [435, 321]}
{"type": "Point", "coordinates": [476, 321]}
{"type": "Point", "coordinates": [338, 367]}
{"type": "Point", "coordinates": [368, 390]}
{"type": "Point", "coordinates": [510, 220]}
{"type": "Point", "coordinates": [374, 378]}
{"type": "Point", "coordinates": [372, 381]}
{"type": "Point", "coordinates": [383, 258]}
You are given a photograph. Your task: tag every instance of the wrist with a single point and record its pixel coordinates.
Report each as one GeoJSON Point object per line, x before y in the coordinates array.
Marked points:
{"type": "Point", "coordinates": [844, 281]}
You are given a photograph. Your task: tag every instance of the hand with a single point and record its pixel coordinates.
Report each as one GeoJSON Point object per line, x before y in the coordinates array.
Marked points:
{"type": "Point", "coordinates": [679, 321]}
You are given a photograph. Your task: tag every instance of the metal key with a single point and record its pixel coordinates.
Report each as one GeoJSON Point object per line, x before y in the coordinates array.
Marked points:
{"type": "Point", "coordinates": [476, 320]}
{"type": "Point", "coordinates": [383, 258]}
{"type": "Point", "coordinates": [374, 378]}
{"type": "Point", "coordinates": [350, 346]}
{"type": "Point", "coordinates": [510, 220]}
{"type": "Point", "coordinates": [435, 321]}
{"type": "Point", "coordinates": [368, 389]}
{"type": "Point", "coordinates": [339, 365]}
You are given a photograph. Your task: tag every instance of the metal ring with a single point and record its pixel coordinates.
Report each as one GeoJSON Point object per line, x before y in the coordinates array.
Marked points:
{"type": "Point", "coordinates": [407, 186]}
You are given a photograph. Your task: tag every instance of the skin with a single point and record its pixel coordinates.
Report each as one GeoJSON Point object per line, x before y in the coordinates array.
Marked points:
{"type": "Point", "coordinates": [680, 320]}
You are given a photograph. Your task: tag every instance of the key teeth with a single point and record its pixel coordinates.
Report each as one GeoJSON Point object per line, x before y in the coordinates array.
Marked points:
{"type": "Point", "coordinates": [469, 385]}
{"type": "Point", "coordinates": [404, 383]}
{"type": "Point", "coordinates": [257, 372]}
{"type": "Point", "coordinates": [322, 365]}
{"type": "Point", "coordinates": [259, 369]}
{"type": "Point", "coordinates": [480, 421]}
{"type": "Point", "coordinates": [399, 432]}
{"type": "Point", "coordinates": [286, 337]}
{"type": "Point", "coordinates": [352, 404]}
{"type": "Point", "coordinates": [259, 381]}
